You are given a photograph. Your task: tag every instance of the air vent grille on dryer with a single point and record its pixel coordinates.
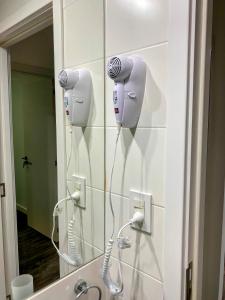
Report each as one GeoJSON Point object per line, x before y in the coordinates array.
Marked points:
{"type": "Point", "coordinates": [114, 67]}
{"type": "Point", "coordinates": [63, 78]}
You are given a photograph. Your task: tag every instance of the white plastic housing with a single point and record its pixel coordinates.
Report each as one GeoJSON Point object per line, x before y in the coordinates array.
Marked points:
{"type": "Point", "coordinates": [77, 97]}
{"type": "Point", "coordinates": [141, 203]}
{"type": "Point", "coordinates": [129, 91]}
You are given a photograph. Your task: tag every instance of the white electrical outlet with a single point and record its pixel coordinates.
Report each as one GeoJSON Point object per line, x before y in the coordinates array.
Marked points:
{"type": "Point", "coordinates": [79, 183]}
{"type": "Point", "coordinates": [141, 202]}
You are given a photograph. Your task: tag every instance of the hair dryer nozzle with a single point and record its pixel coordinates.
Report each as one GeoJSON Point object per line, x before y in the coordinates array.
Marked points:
{"type": "Point", "coordinates": [68, 78]}
{"type": "Point", "coordinates": [119, 68]}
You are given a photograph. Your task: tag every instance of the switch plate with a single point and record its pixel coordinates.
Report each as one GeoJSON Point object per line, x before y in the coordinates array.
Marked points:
{"type": "Point", "coordinates": [141, 202]}
{"type": "Point", "coordinates": [79, 183]}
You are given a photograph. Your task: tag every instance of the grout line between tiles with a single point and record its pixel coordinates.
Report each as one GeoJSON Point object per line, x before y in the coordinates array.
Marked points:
{"type": "Point", "coordinates": [117, 194]}
{"type": "Point", "coordinates": [115, 127]}
{"type": "Point", "coordinates": [99, 59]}
{"type": "Point", "coordinates": [139, 49]}
{"type": "Point", "coordinates": [95, 126]}
{"type": "Point", "coordinates": [126, 197]}
{"type": "Point", "coordinates": [90, 245]}
{"type": "Point", "coordinates": [143, 273]}
{"type": "Point", "coordinates": [90, 187]}
{"type": "Point", "coordinates": [141, 127]}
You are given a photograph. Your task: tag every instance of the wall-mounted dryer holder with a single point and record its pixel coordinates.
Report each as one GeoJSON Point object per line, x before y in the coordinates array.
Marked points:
{"type": "Point", "coordinates": [77, 84]}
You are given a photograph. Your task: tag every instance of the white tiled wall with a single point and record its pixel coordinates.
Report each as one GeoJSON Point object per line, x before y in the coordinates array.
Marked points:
{"type": "Point", "coordinates": [84, 48]}
{"type": "Point", "coordinates": [132, 24]}
{"type": "Point", "coordinates": [140, 28]}
{"type": "Point", "coordinates": [132, 27]}
{"type": "Point", "coordinates": [83, 32]}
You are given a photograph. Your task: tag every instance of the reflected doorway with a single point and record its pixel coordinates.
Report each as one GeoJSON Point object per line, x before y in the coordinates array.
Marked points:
{"type": "Point", "coordinates": [34, 140]}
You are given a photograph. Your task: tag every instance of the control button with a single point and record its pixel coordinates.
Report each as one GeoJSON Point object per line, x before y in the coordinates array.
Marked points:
{"type": "Point", "coordinates": [79, 100]}
{"type": "Point", "coordinates": [132, 95]}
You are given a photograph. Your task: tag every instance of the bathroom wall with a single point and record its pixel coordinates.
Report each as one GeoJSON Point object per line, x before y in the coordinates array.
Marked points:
{"type": "Point", "coordinates": [132, 27]}
{"type": "Point", "coordinates": [139, 28]}
{"type": "Point", "coordinates": [84, 48]}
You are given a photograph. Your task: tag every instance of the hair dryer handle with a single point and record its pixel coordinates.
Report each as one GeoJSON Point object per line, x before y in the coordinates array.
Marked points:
{"type": "Point", "coordinates": [118, 101]}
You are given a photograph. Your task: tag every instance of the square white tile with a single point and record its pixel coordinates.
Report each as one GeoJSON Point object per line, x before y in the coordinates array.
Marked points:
{"type": "Point", "coordinates": [97, 109]}
{"type": "Point", "coordinates": [146, 252]}
{"type": "Point", "coordinates": [136, 284]}
{"type": "Point", "coordinates": [140, 162]}
{"type": "Point", "coordinates": [83, 32]}
{"type": "Point", "coordinates": [89, 221]}
{"type": "Point", "coordinates": [153, 112]}
{"type": "Point", "coordinates": [67, 2]}
{"type": "Point", "coordinates": [87, 155]}
{"type": "Point", "coordinates": [87, 253]}
{"type": "Point", "coordinates": [132, 24]}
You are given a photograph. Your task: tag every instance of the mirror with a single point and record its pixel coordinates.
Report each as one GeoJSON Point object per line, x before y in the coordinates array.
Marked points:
{"type": "Point", "coordinates": [78, 223]}
{"type": "Point", "coordinates": [84, 50]}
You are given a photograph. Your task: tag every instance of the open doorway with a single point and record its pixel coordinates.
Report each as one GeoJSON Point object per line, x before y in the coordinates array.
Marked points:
{"type": "Point", "coordinates": [34, 140]}
{"type": "Point", "coordinates": [212, 284]}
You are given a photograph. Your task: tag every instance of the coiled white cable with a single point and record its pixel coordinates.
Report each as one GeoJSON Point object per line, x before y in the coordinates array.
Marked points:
{"type": "Point", "coordinates": [75, 259]}
{"type": "Point", "coordinates": [73, 249]}
{"type": "Point", "coordinates": [111, 179]}
{"type": "Point", "coordinates": [114, 288]}
{"type": "Point", "coordinates": [122, 243]}
{"type": "Point", "coordinates": [55, 213]}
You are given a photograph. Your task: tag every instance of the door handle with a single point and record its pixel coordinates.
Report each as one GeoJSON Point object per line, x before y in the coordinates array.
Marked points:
{"type": "Point", "coordinates": [2, 185]}
{"type": "Point", "coordinates": [26, 162]}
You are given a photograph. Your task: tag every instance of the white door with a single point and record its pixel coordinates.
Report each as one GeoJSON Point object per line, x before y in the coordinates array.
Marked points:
{"type": "Point", "coordinates": [36, 166]}
{"type": "Point", "coordinates": [2, 263]}
{"type": "Point", "coordinates": [2, 198]}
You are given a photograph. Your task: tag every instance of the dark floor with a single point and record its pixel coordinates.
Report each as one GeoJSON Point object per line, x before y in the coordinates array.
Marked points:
{"type": "Point", "coordinates": [37, 256]}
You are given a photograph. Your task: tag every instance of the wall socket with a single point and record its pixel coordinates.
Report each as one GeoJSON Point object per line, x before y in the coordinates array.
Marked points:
{"type": "Point", "coordinates": [79, 183]}
{"type": "Point", "coordinates": [141, 202]}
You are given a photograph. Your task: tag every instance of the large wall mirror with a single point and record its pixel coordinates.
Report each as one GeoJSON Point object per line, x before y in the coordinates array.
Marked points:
{"type": "Point", "coordinates": [73, 229]}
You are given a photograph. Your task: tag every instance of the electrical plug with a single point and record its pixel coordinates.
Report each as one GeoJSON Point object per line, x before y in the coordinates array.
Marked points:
{"type": "Point", "coordinates": [138, 217]}
{"type": "Point", "coordinates": [76, 196]}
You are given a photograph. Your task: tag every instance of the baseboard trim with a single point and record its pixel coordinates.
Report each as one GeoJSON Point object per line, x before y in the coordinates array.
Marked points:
{"type": "Point", "coordinates": [21, 208]}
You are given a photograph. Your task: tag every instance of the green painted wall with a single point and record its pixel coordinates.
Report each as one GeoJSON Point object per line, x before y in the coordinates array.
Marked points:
{"type": "Point", "coordinates": [33, 115]}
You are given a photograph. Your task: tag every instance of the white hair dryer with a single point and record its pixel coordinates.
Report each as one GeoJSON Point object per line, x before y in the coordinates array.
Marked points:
{"type": "Point", "coordinates": [129, 75]}
{"type": "Point", "coordinates": [77, 98]}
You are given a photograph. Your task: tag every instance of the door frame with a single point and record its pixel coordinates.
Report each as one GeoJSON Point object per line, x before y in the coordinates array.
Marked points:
{"type": "Point", "coordinates": [2, 262]}
{"type": "Point", "coordinates": [204, 48]}
{"type": "Point", "coordinates": [50, 13]}
{"type": "Point", "coordinates": [201, 96]}
{"type": "Point", "coordinates": [180, 86]}
{"type": "Point", "coordinates": [222, 256]}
